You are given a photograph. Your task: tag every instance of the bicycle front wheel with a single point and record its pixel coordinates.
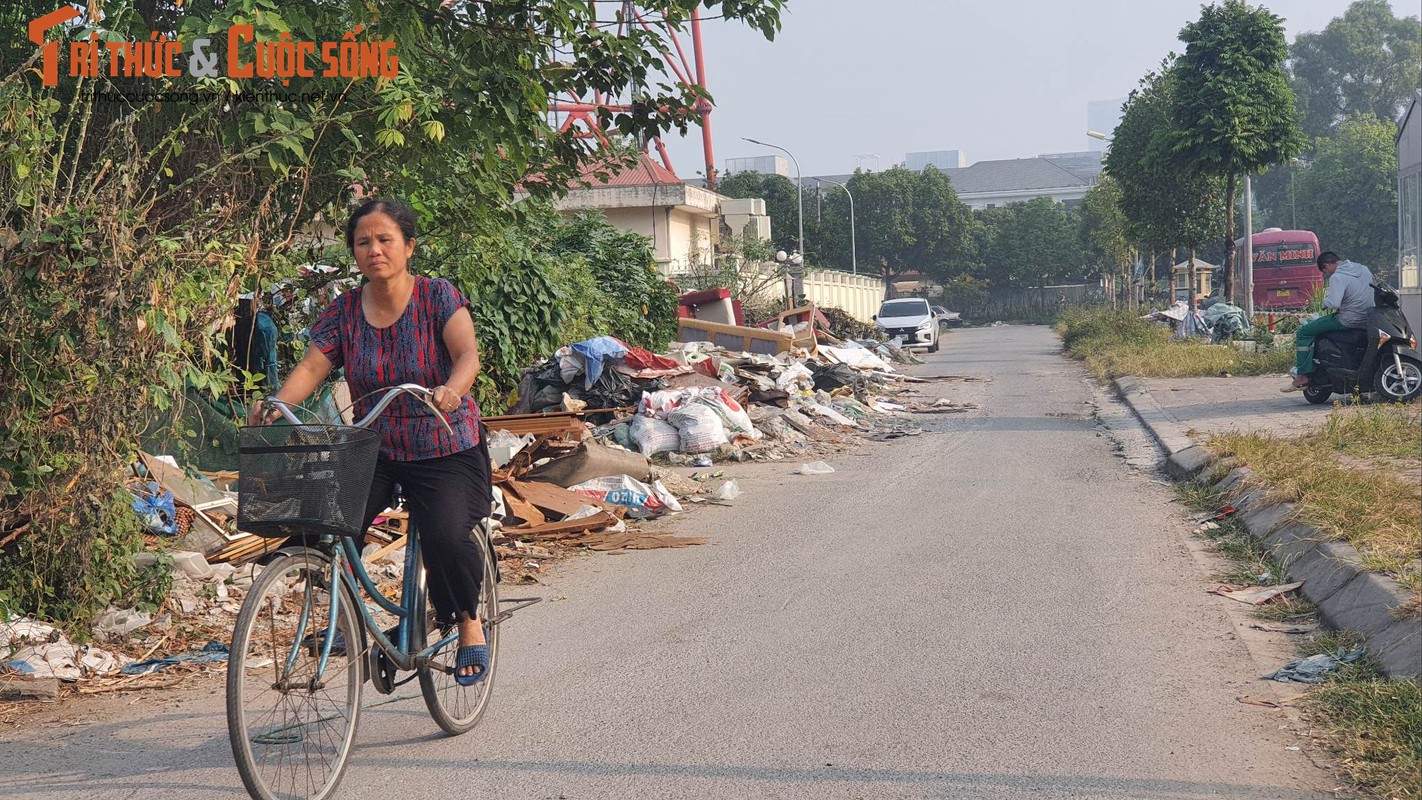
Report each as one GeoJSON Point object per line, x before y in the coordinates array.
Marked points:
{"type": "Point", "coordinates": [455, 708]}
{"type": "Point", "coordinates": [291, 720]}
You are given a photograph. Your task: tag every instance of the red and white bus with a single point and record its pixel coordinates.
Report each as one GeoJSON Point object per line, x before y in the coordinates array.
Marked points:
{"type": "Point", "coordinates": [1286, 272]}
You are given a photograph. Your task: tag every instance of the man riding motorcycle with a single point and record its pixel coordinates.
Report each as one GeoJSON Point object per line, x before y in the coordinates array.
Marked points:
{"type": "Point", "coordinates": [1350, 293]}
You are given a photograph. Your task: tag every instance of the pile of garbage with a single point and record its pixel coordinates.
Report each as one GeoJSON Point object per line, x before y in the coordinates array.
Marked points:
{"type": "Point", "coordinates": [1217, 321]}
{"type": "Point", "coordinates": [600, 443]}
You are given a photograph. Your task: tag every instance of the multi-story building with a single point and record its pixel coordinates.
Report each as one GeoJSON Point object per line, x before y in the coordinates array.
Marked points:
{"type": "Point", "coordinates": [765, 165]}
{"type": "Point", "coordinates": [943, 160]}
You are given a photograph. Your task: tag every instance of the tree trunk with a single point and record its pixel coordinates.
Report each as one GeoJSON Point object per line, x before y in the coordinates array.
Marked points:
{"type": "Point", "coordinates": [1228, 265]}
{"type": "Point", "coordinates": [1153, 256]}
{"type": "Point", "coordinates": [1173, 262]}
{"type": "Point", "coordinates": [1194, 282]}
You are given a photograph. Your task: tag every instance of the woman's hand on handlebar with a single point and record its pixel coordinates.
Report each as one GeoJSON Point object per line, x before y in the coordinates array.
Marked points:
{"type": "Point", "coordinates": [445, 399]}
{"type": "Point", "coordinates": [262, 414]}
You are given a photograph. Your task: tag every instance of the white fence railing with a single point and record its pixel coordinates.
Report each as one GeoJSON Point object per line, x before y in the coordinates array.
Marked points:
{"type": "Point", "coordinates": [859, 295]}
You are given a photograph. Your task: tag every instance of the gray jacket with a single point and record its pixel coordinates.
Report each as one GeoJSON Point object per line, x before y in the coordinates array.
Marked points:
{"type": "Point", "coordinates": [1350, 291]}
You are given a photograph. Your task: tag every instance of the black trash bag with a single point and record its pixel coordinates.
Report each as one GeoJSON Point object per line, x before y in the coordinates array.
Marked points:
{"type": "Point", "coordinates": [829, 377]}
{"type": "Point", "coordinates": [769, 397]}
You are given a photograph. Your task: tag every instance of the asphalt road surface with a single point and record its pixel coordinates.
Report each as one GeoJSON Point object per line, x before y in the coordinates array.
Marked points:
{"type": "Point", "coordinates": [999, 608]}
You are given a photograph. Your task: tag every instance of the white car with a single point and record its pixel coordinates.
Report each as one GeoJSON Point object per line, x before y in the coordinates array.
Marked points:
{"type": "Point", "coordinates": [946, 318]}
{"type": "Point", "coordinates": [911, 320]}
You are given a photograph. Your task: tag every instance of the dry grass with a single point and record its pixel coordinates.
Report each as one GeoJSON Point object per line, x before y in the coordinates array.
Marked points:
{"type": "Point", "coordinates": [1377, 512]}
{"type": "Point", "coordinates": [1375, 727]}
{"type": "Point", "coordinates": [1113, 344]}
{"type": "Point", "coordinates": [1374, 431]}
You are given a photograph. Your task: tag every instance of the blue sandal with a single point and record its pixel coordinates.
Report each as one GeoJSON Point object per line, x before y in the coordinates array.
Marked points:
{"type": "Point", "coordinates": [475, 655]}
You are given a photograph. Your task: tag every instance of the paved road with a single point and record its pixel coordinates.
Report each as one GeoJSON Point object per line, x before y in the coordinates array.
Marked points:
{"type": "Point", "coordinates": [997, 609]}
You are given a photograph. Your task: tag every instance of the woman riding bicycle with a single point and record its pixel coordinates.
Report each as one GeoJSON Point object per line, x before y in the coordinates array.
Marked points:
{"type": "Point", "coordinates": [402, 328]}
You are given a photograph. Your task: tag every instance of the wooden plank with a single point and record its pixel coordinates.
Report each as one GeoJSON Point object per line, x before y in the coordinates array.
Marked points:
{"type": "Point", "coordinates": [186, 490]}
{"type": "Point", "coordinates": [553, 530]}
{"type": "Point", "coordinates": [558, 500]}
{"type": "Point", "coordinates": [524, 510]}
{"type": "Point", "coordinates": [398, 543]}
{"type": "Point", "coordinates": [634, 540]}
{"type": "Point", "coordinates": [563, 423]}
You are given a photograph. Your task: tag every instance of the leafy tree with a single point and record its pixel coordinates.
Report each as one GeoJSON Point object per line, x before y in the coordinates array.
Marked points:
{"type": "Point", "coordinates": [1105, 244]}
{"type": "Point", "coordinates": [1348, 195]}
{"type": "Point", "coordinates": [907, 222]}
{"type": "Point", "coordinates": [1035, 243]}
{"type": "Point", "coordinates": [1367, 61]}
{"type": "Point", "coordinates": [1163, 207]}
{"type": "Point", "coordinates": [1232, 108]}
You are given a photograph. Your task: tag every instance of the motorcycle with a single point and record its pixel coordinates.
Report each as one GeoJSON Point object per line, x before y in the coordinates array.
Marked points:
{"type": "Point", "coordinates": [1381, 358]}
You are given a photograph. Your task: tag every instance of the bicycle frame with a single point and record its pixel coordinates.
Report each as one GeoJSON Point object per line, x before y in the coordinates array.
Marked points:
{"type": "Point", "coordinates": [348, 569]}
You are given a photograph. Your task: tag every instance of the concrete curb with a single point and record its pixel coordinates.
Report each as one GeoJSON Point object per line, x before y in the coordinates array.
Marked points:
{"type": "Point", "coordinates": [1348, 597]}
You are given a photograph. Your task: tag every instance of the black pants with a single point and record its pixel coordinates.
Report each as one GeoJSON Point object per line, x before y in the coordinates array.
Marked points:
{"type": "Point", "coordinates": [446, 497]}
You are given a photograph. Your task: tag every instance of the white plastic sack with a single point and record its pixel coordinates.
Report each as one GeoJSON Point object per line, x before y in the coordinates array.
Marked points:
{"type": "Point", "coordinates": [700, 428]}
{"type": "Point", "coordinates": [116, 622]}
{"type": "Point", "coordinates": [660, 404]}
{"type": "Point", "coordinates": [795, 378]}
{"type": "Point", "coordinates": [624, 490]}
{"type": "Point", "coordinates": [653, 435]}
{"type": "Point", "coordinates": [856, 356]}
{"type": "Point", "coordinates": [733, 416]}
{"type": "Point", "coordinates": [570, 364]}
{"type": "Point", "coordinates": [814, 468]}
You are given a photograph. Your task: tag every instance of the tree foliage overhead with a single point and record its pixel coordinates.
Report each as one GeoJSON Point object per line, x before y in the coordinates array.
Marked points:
{"type": "Point", "coordinates": [1348, 195]}
{"type": "Point", "coordinates": [1232, 111]}
{"type": "Point", "coordinates": [1367, 61]}
{"type": "Point", "coordinates": [1163, 206]}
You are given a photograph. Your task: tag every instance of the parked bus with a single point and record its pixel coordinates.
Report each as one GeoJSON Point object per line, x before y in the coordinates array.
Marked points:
{"type": "Point", "coordinates": [1286, 272]}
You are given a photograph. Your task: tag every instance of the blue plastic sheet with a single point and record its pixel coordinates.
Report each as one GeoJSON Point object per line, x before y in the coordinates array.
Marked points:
{"type": "Point", "coordinates": [594, 352]}
{"type": "Point", "coordinates": [156, 510]}
{"type": "Point", "coordinates": [210, 653]}
{"type": "Point", "coordinates": [1315, 668]}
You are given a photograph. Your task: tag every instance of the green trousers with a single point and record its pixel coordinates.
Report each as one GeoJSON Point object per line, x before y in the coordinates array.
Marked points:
{"type": "Point", "coordinates": [1303, 340]}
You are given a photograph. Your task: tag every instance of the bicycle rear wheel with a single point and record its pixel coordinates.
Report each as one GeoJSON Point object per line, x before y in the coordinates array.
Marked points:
{"type": "Point", "coordinates": [455, 708]}
{"type": "Point", "coordinates": [291, 732]}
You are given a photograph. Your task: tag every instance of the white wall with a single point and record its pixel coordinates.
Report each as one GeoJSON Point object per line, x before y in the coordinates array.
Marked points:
{"type": "Point", "coordinates": [859, 295]}
{"type": "Point", "coordinates": [979, 201]}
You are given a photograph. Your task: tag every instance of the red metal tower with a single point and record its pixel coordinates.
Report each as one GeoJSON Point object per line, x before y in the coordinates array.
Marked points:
{"type": "Point", "coordinates": [581, 112]}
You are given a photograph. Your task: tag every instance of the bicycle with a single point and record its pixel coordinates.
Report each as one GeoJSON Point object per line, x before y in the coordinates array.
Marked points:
{"type": "Point", "coordinates": [301, 650]}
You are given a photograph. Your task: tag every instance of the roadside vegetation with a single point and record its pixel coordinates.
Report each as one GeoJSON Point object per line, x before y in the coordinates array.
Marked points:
{"type": "Point", "coordinates": [1114, 342]}
{"type": "Point", "coordinates": [1355, 479]}
{"type": "Point", "coordinates": [1373, 725]}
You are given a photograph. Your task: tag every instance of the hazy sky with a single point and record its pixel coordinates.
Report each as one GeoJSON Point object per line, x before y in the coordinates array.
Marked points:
{"type": "Point", "coordinates": [993, 78]}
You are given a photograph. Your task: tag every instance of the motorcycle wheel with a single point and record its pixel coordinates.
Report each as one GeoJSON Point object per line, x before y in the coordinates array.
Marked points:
{"type": "Point", "coordinates": [1318, 395]}
{"type": "Point", "coordinates": [1399, 387]}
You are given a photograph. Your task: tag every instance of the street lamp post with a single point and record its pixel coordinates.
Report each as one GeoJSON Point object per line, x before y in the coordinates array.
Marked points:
{"type": "Point", "coordinates": [853, 248]}
{"type": "Point", "coordinates": [799, 187]}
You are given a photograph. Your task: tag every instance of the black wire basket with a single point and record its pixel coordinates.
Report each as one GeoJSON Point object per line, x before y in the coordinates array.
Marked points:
{"type": "Point", "coordinates": [302, 480]}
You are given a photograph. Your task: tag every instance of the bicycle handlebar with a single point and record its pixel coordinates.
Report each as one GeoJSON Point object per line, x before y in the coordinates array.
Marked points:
{"type": "Point", "coordinates": [421, 393]}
